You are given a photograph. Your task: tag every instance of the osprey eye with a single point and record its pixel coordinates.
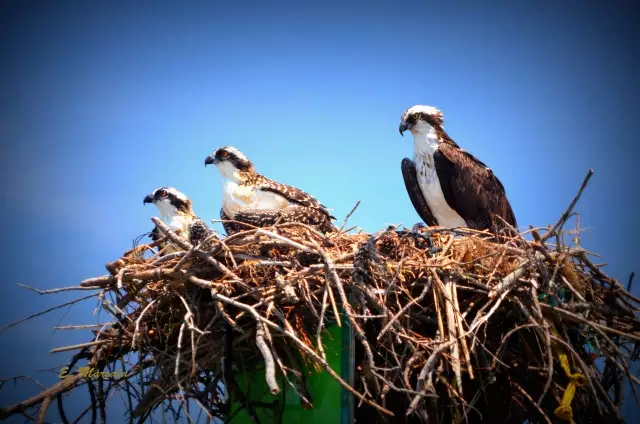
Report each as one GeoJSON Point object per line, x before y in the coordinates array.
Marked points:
{"type": "Point", "coordinates": [416, 116]}
{"type": "Point", "coordinates": [163, 193]}
{"type": "Point", "coordinates": [224, 154]}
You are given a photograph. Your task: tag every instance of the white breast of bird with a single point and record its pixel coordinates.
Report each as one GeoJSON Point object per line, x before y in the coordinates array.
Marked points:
{"type": "Point", "coordinates": [175, 223]}
{"type": "Point", "coordinates": [236, 197]}
{"type": "Point", "coordinates": [178, 222]}
{"type": "Point", "coordinates": [432, 192]}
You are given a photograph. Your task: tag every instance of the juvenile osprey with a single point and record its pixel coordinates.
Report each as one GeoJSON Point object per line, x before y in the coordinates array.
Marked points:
{"type": "Point", "coordinates": [256, 200]}
{"type": "Point", "coordinates": [447, 186]}
{"type": "Point", "coordinates": [176, 211]}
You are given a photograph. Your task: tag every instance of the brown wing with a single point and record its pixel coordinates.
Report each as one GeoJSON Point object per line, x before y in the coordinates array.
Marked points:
{"type": "Point", "coordinates": [310, 216]}
{"type": "Point", "coordinates": [471, 188]}
{"type": "Point", "coordinates": [294, 195]}
{"type": "Point", "coordinates": [233, 227]}
{"type": "Point", "coordinates": [267, 217]}
{"type": "Point", "coordinates": [198, 231]}
{"type": "Point", "coordinates": [418, 201]}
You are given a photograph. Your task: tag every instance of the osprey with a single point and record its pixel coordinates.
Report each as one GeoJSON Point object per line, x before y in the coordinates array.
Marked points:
{"type": "Point", "coordinates": [254, 199]}
{"type": "Point", "coordinates": [176, 211]}
{"type": "Point", "coordinates": [447, 186]}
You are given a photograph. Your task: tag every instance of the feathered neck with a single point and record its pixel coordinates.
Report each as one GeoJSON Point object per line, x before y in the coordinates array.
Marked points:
{"type": "Point", "coordinates": [425, 142]}
{"type": "Point", "coordinates": [169, 211]}
{"type": "Point", "coordinates": [238, 176]}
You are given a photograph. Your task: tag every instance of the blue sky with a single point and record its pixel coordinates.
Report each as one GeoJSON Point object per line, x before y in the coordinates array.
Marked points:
{"type": "Point", "coordinates": [101, 104]}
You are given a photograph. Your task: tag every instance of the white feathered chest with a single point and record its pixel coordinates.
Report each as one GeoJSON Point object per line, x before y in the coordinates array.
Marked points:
{"type": "Point", "coordinates": [178, 222]}
{"type": "Point", "coordinates": [424, 149]}
{"type": "Point", "coordinates": [175, 223]}
{"type": "Point", "coordinates": [236, 197]}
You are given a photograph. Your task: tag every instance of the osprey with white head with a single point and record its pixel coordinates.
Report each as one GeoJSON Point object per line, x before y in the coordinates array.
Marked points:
{"type": "Point", "coordinates": [176, 211]}
{"type": "Point", "coordinates": [254, 199]}
{"type": "Point", "coordinates": [447, 186]}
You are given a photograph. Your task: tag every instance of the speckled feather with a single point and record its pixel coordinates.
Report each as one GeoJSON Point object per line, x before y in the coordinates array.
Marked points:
{"type": "Point", "coordinates": [198, 231]}
{"type": "Point", "coordinates": [269, 217]}
{"type": "Point", "coordinates": [292, 194]}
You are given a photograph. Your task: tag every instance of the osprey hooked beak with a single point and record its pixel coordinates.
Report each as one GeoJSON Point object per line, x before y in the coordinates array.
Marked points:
{"type": "Point", "coordinates": [404, 126]}
{"type": "Point", "coordinates": [209, 161]}
{"type": "Point", "coordinates": [147, 199]}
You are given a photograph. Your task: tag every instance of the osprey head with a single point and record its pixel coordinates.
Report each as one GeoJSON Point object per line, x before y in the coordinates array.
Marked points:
{"type": "Point", "coordinates": [169, 201]}
{"type": "Point", "coordinates": [419, 119]}
{"type": "Point", "coordinates": [229, 161]}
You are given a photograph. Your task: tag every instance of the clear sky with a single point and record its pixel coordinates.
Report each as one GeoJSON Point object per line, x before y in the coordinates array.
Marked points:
{"type": "Point", "coordinates": [102, 103]}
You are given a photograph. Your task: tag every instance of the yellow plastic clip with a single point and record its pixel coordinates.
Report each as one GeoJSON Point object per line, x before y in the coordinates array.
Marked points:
{"type": "Point", "coordinates": [564, 411]}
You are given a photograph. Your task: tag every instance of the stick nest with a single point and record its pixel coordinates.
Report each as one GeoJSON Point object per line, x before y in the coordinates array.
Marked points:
{"type": "Point", "coordinates": [450, 326]}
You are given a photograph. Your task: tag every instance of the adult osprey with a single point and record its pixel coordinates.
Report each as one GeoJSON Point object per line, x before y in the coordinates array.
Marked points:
{"type": "Point", "coordinates": [448, 186]}
{"type": "Point", "coordinates": [254, 199]}
{"type": "Point", "coordinates": [176, 211]}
